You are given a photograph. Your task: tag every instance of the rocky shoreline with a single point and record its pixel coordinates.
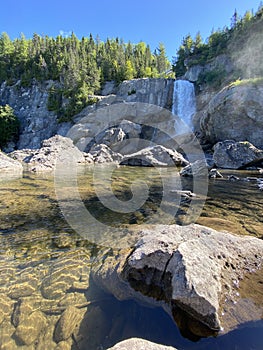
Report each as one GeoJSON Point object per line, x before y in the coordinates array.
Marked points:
{"type": "Point", "coordinates": [61, 150]}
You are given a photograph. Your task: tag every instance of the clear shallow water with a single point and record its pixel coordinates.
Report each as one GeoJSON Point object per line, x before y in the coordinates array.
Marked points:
{"type": "Point", "coordinates": [45, 264]}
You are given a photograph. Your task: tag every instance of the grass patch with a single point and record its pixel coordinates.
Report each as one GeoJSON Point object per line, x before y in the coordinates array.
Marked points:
{"type": "Point", "coordinates": [242, 82]}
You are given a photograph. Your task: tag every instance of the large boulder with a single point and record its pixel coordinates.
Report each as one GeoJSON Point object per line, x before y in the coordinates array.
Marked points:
{"type": "Point", "coordinates": [192, 269]}
{"type": "Point", "coordinates": [55, 149]}
{"type": "Point", "coordinates": [123, 138]}
{"type": "Point", "coordinates": [9, 167]}
{"type": "Point", "coordinates": [235, 113]}
{"type": "Point", "coordinates": [235, 155]}
{"type": "Point", "coordinates": [155, 156]}
{"type": "Point", "coordinates": [103, 154]}
{"type": "Point", "coordinates": [102, 125]}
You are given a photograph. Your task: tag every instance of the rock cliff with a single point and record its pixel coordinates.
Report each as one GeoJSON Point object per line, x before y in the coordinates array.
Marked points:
{"type": "Point", "coordinates": [38, 123]}
{"type": "Point", "coordinates": [30, 106]}
{"type": "Point", "coordinates": [227, 110]}
{"type": "Point", "coordinates": [234, 113]}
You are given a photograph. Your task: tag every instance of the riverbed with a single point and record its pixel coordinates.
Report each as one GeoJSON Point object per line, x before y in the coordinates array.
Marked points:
{"type": "Point", "coordinates": [51, 230]}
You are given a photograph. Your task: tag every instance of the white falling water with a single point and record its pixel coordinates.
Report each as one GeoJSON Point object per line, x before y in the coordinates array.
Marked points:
{"type": "Point", "coordinates": [184, 106]}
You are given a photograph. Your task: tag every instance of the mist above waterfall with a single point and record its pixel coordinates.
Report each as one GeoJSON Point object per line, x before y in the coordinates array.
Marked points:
{"type": "Point", "coordinates": [184, 106]}
{"type": "Point", "coordinates": [246, 54]}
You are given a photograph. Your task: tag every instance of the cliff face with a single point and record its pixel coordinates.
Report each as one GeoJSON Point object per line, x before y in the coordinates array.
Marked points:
{"type": "Point", "coordinates": [227, 110]}
{"type": "Point", "coordinates": [37, 123]}
{"type": "Point", "coordinates": [234, 113]}
{"type": "Point", "coordinates": [30, 106]}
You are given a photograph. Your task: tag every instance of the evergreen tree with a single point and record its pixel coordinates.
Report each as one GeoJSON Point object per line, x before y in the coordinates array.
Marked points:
{"type": "Point", "coordinates": [79, 67]}
{"type": "Point", "coordinates": [161, 60]}
{"type": "Point", "coordinates": [9, 125]}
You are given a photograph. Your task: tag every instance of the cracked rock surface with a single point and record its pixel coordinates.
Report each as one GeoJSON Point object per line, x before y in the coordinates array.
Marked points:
{"type": "Point", "coordinates": [190, 268]}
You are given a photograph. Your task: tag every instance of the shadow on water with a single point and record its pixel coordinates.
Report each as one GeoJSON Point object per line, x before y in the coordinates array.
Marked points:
{"type": "Point", "coordinates": [110, 321]}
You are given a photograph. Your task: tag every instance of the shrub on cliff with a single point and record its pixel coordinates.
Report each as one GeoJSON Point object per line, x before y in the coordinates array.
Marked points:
{"type": "Point", "coordinates": [9, 125]}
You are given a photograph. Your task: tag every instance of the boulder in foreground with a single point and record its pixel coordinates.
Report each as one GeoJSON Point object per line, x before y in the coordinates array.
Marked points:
{"type": "Point", "coordinates": [190, 269]}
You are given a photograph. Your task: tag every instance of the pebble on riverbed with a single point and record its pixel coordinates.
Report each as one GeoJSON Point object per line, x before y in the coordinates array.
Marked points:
{"type": "Point", "coordinates": [29, 329]}
{"type": "Point", "coordinates": [67, 323]}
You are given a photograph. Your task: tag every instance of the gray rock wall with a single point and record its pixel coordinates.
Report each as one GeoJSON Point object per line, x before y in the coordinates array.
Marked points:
{"type": "Point", "coordinates": [220, 63]}
{"type": "Point", "coordinates": [37, 123]}
{"type": "Point", "coordinates": [30, 106]}
{"type": "Point", "coordinates": [153, 91]}
{"type": "Point", "coordinates": [234, 113]}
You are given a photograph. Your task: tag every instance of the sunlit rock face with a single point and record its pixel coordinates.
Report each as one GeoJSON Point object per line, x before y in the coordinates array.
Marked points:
{"type": "Point", "coordinates": [37, 123]}
{"type": "Point", "coordinates": [235, 113]}
{"type": "Point", "coordinates": [190, 269]}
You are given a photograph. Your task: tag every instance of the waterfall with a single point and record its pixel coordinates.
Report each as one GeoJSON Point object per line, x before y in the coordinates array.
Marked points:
{"type": "Point", "coordinates": [184, 106]}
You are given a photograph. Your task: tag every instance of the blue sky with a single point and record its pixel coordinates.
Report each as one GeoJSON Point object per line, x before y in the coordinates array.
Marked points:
{"type": "Point", "coordinates": [152, 21]}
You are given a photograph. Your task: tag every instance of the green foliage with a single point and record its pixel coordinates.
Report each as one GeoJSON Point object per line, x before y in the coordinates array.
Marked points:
{"type": "Point", "coordinates": [54, 99]}
{"type": "Point", "coordinates": [226, 40]}
{"type": "Point", "coordinates": [244, 82]}
{"type": "Point", "coordinates": [78, 67]}
{"type": "Point", "coordinates": [9, 125]}
{"type": "Point", "coordinates": [78, 99]}
{"type": "Point", "coordinates": [213, 78]}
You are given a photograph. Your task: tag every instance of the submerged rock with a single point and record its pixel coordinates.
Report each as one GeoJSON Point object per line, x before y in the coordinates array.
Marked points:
{"type": "Point", "coordinates": [185, 269]}
{"type": "Point", "coordinates": [235, 155]}
{"type": "Point", "coordinates": [67, 323]}
{"type": "Point", "coordinates": [29, 329]}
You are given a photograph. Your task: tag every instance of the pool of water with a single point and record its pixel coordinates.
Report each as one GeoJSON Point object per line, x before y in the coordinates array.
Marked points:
{"type": "Point", "coordinates": [51, 231]}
